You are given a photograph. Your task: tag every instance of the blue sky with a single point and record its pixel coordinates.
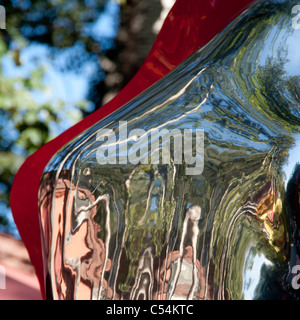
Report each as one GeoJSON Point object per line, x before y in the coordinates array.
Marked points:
{"type": "Point", "coordinates": [69, 86]}
{"type": "Point", "coordinates": [65, 84]}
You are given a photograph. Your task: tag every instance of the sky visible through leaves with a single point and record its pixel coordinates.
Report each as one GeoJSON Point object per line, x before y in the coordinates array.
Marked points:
{"type": "Point", "coordinates": [50, 55]}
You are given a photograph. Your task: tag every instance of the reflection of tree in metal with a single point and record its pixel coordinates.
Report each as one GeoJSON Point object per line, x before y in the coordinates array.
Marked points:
{"type": "Point", "coordinates": [149, 231]}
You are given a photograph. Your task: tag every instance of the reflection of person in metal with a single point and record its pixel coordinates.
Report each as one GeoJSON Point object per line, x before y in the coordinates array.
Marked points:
{"type": "Point", "coordinates": [148, 231]}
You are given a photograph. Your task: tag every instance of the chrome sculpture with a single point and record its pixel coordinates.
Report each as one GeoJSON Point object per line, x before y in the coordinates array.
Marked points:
{"type": "Point", "coordinates": [127, 223]}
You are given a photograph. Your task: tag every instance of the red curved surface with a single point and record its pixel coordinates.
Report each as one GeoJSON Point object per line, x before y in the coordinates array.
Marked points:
{"type": "Point", "coordinates": [188, 26]}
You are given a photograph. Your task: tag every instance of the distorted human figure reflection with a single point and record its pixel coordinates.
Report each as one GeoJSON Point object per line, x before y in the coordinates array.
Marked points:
{"type": "Point", "coordinates": [149, 230]}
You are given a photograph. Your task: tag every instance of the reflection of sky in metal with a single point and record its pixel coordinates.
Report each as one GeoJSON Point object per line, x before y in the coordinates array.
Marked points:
{"type": "Point", "coordinates": [147, 214]}
{"type": "Point", "coordinates": [293, 159]}
{"type": "Point", "coordinates": [293, 64]}
{"type": "Point", "coordinates": [291, 67]}
{"type": "Point", "coordinates": [252, 271]}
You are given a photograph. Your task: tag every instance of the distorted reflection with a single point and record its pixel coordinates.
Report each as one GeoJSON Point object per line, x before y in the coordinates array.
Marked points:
{"type": "Point", "coordinates": [150, 230]}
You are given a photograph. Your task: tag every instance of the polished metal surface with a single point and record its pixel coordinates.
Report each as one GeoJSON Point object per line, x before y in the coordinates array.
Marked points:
{"type": "Point", "coordinates": [154, 230]}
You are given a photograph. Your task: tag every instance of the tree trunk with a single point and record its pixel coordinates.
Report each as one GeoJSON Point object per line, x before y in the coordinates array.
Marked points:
{"type": "Point", "coordinates": [140, 22]}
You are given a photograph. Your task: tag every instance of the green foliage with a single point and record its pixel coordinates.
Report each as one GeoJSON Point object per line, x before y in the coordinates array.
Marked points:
{"type": "Point", "coordinates": [57, 23]}
{"type": "Point", "coordinates": [26, 122]}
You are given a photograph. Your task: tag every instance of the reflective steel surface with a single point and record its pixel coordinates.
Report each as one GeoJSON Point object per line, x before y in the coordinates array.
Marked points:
{"type": "Point", "coordinates": [149, 230]}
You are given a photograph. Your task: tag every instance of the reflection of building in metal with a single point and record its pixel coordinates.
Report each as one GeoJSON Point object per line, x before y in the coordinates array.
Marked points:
{"type": "Point", "coordinates": [86, 265]}
{"type": "Point", "coordinates": [79, 264]}
{"type": "Point", "coordinates": [183, 276]}
{"type": "Point", "coordinates": [81, 256]}
{"type": "Point", "coordinates": [19, 277]}
{"type": "Point", "coordinates": [185, 279]}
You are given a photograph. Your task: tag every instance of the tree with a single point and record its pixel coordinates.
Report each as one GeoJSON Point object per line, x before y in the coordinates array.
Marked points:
{"type": "Point", "coordinates": [69, 37]}
{"type": "Point", "coordinates": [29, 116]}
